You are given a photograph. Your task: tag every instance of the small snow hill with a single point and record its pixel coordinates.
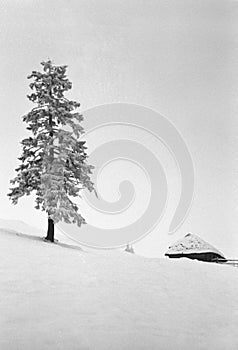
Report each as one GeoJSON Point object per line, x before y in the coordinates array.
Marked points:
{"type": "Point", "coordinates": [58, 297]}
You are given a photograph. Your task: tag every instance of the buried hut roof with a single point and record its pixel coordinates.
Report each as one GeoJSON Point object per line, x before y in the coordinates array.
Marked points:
{"type": "Point", "coordinates": [192, 244]}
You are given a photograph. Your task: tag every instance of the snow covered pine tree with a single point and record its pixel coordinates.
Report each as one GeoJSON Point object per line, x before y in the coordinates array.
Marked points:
{"type": "Point", "coordinates": [54, 160]}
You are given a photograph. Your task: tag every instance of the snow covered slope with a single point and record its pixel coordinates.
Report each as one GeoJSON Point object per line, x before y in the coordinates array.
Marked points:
{"type": "Point", "coordinates": [58, 297]}
{"type": "Point", "coordinates": [19, 226]}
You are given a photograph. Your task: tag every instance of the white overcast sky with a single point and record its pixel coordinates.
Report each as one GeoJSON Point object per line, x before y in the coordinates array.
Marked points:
{"type": "Point", "coordinates": [178, 57]}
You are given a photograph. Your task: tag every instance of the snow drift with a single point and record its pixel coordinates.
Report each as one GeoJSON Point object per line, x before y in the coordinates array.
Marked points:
{"type": "Point", "coordinates": [55, 296]}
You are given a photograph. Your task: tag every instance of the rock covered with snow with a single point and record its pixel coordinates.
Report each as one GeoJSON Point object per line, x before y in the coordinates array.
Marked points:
{"type": "Point", "coordinates": [192, 244]}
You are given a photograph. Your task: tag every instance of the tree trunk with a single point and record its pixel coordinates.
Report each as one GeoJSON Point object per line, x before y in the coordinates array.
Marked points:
{"type": "Point", "coordinates": [51, 231]}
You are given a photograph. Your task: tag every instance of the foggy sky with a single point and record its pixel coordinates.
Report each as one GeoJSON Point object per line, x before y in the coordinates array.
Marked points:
{"type": "Point", "coordinates": [177, 57]}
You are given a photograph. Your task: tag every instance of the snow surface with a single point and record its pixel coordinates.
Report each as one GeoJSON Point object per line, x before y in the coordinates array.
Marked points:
{"type": "Point", "coordinates": [57, 296]}
{"type": "Point", "coordinates": [191, 243]}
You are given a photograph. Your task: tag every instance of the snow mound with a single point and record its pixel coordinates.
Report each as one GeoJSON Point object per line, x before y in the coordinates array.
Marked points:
{"type": "Point", "coordinates": [56, 298]}
{"type": "Point", "coordinates": [190, 244]}
{"type": "Point", "coordinates": [19, 226]}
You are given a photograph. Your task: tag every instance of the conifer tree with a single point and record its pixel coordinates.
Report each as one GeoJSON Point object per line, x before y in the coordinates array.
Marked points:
{"type": "Point", "coordinates": [54, 159]}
